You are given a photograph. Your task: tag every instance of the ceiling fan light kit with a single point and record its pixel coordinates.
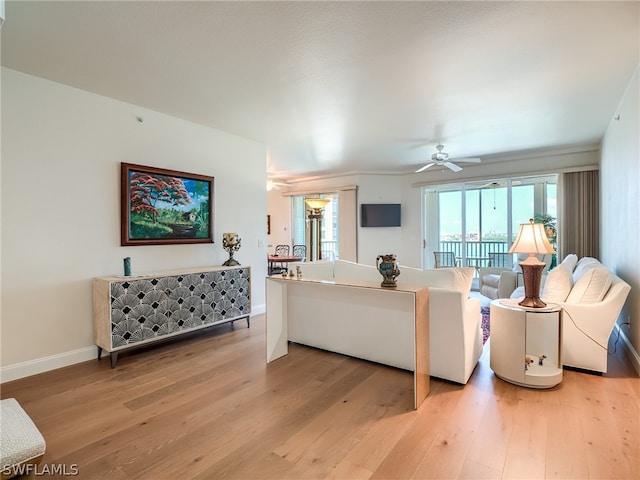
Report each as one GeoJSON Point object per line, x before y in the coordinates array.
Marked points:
{"type": "Point", "coordinates": [442, 159]}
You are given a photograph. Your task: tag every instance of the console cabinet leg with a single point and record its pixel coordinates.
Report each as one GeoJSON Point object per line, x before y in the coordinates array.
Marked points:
{"type": "Point", "coordinates": [114, 359]}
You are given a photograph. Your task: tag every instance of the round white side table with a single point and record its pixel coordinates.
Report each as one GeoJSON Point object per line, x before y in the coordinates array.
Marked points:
{"type": "Point", "coordinates": [526, 343]}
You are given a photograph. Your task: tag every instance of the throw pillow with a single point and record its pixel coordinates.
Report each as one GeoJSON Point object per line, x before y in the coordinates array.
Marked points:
{"type": "Point", "coordinates": [559, 281]}
{"type": "Point", "coordinates": [591, 286]}
{"type": "Point", "coordinates": [583, 265]}
{"type": "Point", "coordinates": [570, 261]}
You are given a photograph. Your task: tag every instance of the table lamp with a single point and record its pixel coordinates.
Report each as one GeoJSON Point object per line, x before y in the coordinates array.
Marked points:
{"type": "Point", "coordinates": [532, 239]}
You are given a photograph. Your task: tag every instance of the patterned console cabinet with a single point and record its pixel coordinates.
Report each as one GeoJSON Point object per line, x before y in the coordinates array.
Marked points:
{"type": "Point", "coordinates": [137, 310]}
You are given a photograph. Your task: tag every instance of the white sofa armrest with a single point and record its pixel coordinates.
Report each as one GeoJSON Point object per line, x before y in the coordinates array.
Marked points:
{"type": "Point", "coordinates": [508, 283]}
{"type": "Point", "coordinates": [482, 271]}
{"type": "Point", "coordinates": [586, 328]}
{"type": "Point", "coordinates": [455, 334]}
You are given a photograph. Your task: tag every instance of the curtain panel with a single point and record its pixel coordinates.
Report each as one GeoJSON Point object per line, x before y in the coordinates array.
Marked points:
{"type": "Point", "coordinates": [579, 214]}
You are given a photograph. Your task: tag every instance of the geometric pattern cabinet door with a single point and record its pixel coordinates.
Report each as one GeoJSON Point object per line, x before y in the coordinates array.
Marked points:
{"type": "Point", "coordinates": [133, 311]}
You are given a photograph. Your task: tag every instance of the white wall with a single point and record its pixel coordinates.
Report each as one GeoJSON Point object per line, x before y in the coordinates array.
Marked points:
{"type": "Point", "coordinates": [61, 154]}
{"type": "Point", "coordinates": [620, 216]}
{"type": "Point", "coordinates": [404, 241]}
{"type": "Point", "coordinates": [279, 208]}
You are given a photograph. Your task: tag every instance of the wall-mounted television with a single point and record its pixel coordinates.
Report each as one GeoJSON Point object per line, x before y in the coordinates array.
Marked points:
{"type": "Point", "coordinates": [380, 215]}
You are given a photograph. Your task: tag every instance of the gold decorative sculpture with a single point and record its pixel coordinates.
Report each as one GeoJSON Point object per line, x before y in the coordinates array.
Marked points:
{"type": "Point", "coordinates": [231, 243]}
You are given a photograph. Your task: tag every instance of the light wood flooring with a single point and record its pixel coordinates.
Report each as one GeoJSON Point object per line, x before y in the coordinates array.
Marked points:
{"type": "Point", "coordinates": [209, 407]}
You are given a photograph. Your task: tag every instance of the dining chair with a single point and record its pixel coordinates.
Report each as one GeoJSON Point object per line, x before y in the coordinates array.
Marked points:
{"type": "Point", "coordinates": [300, 251]}
{"type": "Point", "coordinates": [445, 259]}
{"type": "Point", "coordinates": [279, 267]}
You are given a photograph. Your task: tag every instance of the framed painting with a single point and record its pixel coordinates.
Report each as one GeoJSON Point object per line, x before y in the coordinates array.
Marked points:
{"type": "Point", "coordinates": [162, 207]}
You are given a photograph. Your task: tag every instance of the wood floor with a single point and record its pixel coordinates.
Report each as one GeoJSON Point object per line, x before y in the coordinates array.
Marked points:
{"type": "Point", "coordinates": [208, 407]}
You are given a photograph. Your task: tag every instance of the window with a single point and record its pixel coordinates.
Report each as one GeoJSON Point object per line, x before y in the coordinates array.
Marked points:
{"type": "Point", "coordinates": [477, 218]}
{"type": "Point", "coordinates": [329, 231]}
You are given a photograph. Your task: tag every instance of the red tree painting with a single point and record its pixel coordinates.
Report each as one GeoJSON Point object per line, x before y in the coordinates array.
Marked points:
{"type": "Point", "coordinates": [147, 190]}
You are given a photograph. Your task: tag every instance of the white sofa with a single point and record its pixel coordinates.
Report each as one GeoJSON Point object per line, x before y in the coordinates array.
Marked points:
{"type": "Point", "coordinates": [455, 331]}
{"type": "Point", "coordinates": [591, 297]}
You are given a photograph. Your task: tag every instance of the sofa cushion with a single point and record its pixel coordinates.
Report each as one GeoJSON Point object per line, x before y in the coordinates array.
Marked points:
{"type": "Point", "coordinates": [592, 285]}
{"type": "Point", "coordinates": [560, 280]}
{"type": "Point", "coordinates": [454, 278]}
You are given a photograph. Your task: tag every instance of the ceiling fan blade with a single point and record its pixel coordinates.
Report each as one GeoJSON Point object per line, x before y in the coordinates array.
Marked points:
{"type": "Point", "coordinates": [452, 166]}
{"type": "Point", "coordinates": [422, 169]}
{"type": "Point", "coordinates": [467, 160]}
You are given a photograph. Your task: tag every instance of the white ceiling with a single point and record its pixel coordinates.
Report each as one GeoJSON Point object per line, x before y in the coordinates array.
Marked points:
{"type": "Point", "coordinates": [340, 87]}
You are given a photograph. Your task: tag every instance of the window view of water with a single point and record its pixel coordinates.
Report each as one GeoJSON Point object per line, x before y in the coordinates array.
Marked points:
{"type": "Point", "coordinates": [474, 220]}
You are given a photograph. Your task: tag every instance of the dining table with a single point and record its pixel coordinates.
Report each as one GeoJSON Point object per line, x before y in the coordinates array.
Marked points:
{"type": "Point", "coordinates": [273, 258]}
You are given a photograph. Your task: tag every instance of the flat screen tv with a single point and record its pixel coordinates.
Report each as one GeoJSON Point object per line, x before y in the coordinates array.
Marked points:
{"type": "Point", "coordinates": [380, 215]}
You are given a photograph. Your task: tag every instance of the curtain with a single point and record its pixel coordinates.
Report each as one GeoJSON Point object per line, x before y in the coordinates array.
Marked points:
{"type": "Point", "coordinates": [348, 224]}
{"type": "Point", "coordinates": [579, 214]}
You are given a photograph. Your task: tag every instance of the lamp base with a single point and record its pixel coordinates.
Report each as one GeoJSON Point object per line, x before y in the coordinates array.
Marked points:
{"type": "Point", "coordinates": [532, 302]}
{"type": "Point", "coordinates": [532, 273]}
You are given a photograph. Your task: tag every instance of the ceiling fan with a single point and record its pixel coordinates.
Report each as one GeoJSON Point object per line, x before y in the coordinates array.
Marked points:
{"type": "Point", "coordinates": [493, 185]}
{"type": "Point", "coordinates": [441, 158]}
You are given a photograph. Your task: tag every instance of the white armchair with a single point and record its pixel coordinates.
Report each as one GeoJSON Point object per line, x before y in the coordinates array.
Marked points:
{"type": "Point", "coordinates": [500, 282]}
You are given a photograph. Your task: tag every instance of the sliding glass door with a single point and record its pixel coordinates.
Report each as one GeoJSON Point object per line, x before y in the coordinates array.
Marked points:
{"type": "Point", "coordinates": [478, 221]}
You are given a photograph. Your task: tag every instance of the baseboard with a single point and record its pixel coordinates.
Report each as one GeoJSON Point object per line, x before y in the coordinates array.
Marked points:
{"type": "Point", "coordinates": [60, 360]}
{"type": "Point", "coordinates": [44, 364]}
{"type": "Point", "coordinates": [631, 353]}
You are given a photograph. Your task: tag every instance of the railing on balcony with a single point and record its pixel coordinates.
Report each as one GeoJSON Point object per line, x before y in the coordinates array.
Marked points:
{"type": "Point", "coordinates": [473, 249]}
{"type": "Point", "coordinates": [475, 254]}
{"type": "Point", "coordinates": [329, 249]}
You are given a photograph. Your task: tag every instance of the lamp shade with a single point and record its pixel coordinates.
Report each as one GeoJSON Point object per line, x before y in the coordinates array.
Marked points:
{"type": "Point", "coordinates": [316, 203]}
{"type": "Point", "coordinates": [531, 239]}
